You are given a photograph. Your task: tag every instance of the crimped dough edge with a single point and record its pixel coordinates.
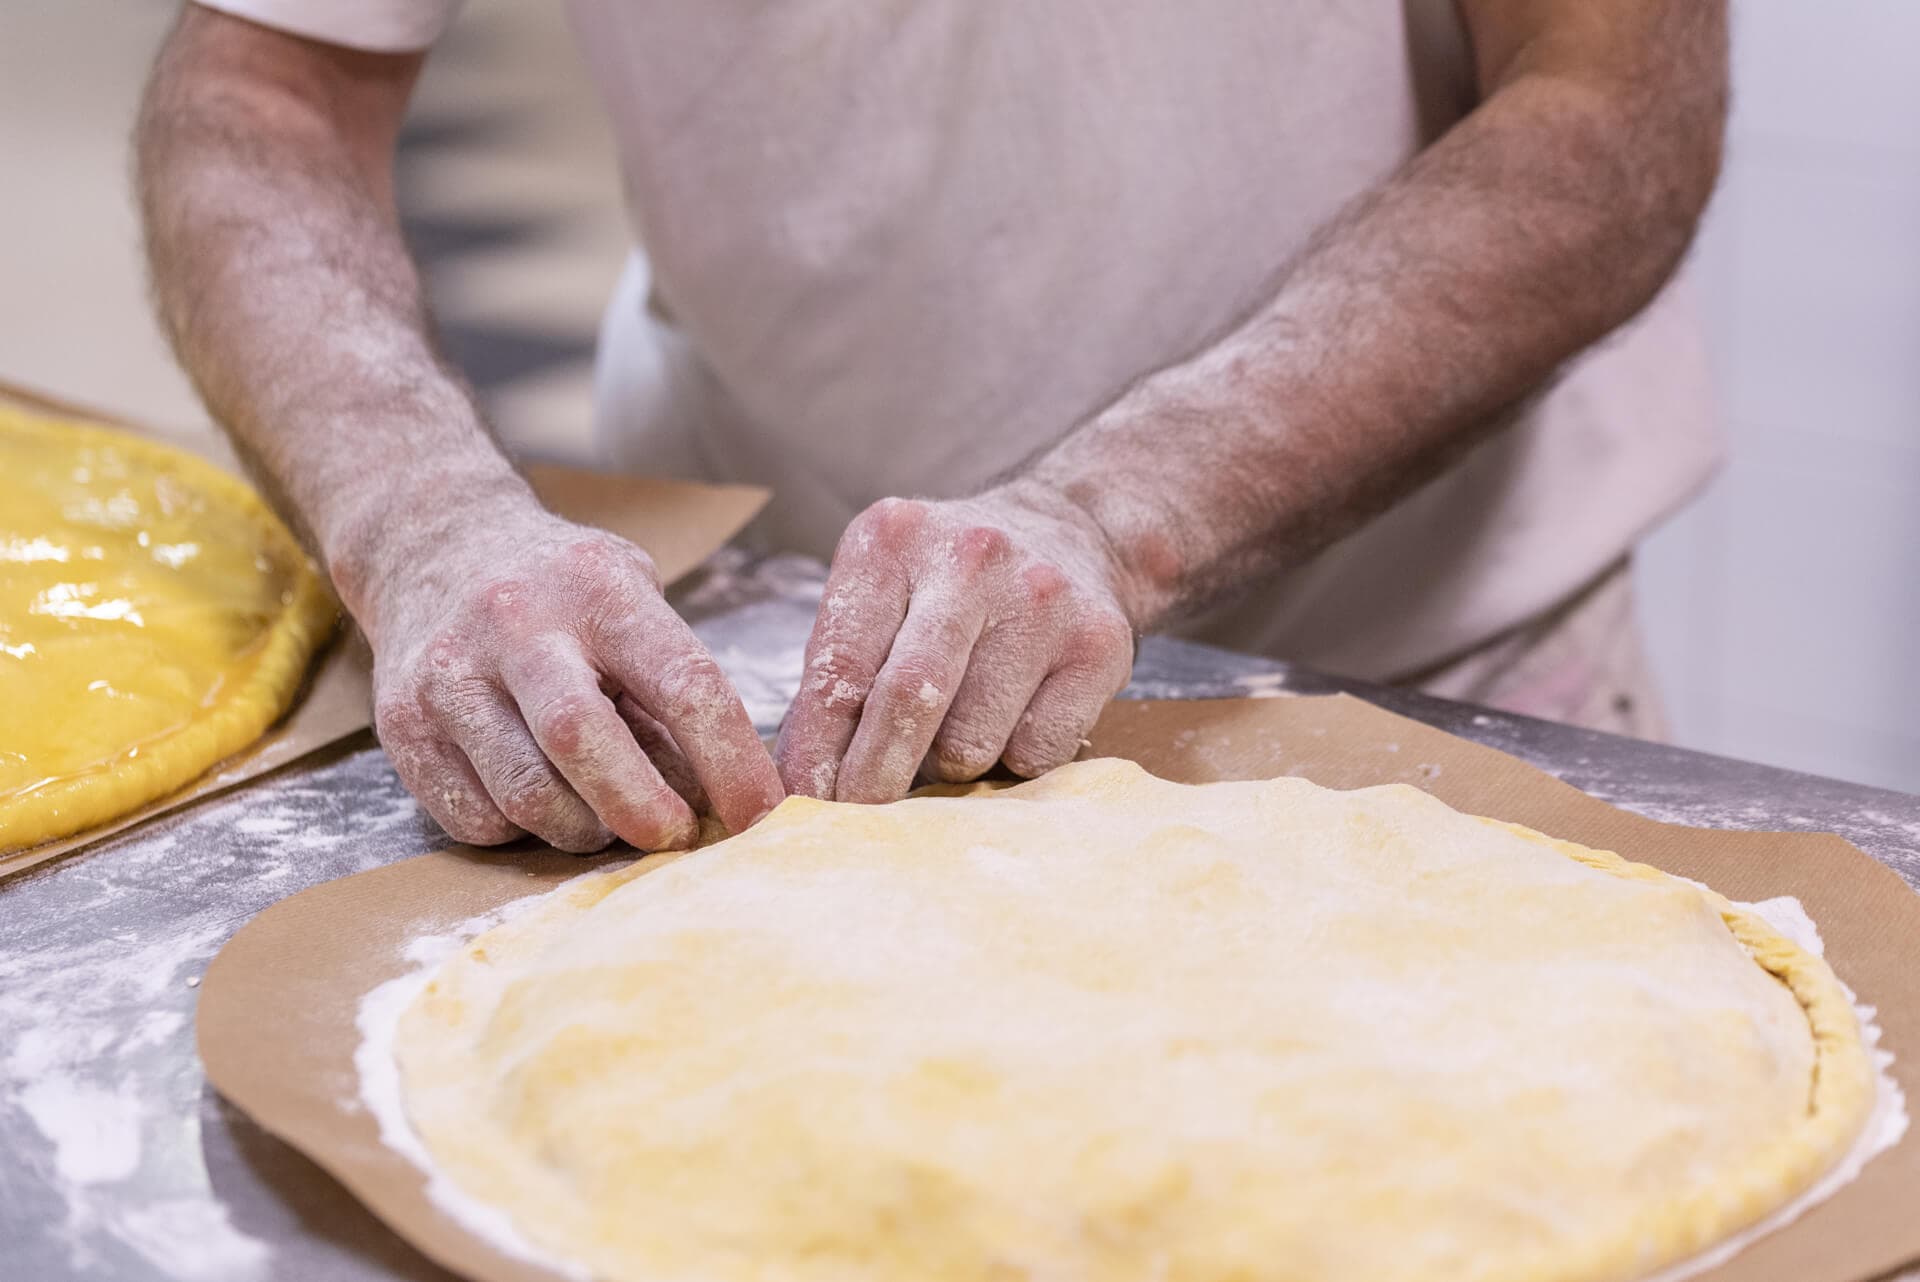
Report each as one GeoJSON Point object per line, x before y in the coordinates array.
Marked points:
{"type": "Point", "coordinates": [1838, 1105]}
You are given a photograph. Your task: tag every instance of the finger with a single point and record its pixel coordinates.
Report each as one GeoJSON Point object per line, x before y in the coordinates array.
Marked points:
{"type": "Point", "coordinates": [582, 734]}
{"type": "Point", "coordinates": [656, 659]}
{"type": "Point", "coordinates": [1007, 666]}
{"type": "Point", "coordinates": [1068, 702]}
{"type": "Point", "coordinates": [663, 752]}
{"type": "Point", "coordinates": [442, 780]}
{"type": "Point", "coordinates": [518, 776]}
{"type": "Point", "coordinates": [438, 774]}
{"type": "Point", "coordinates": [910, 698]}
{"type": "Point", "coordinates": [861, 609]}
{"type": "Point", "coordinates": [458, 801]}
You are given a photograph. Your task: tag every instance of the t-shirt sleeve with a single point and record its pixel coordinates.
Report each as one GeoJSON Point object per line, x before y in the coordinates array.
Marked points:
{"type": "Point", "coordinates": [378, 26]}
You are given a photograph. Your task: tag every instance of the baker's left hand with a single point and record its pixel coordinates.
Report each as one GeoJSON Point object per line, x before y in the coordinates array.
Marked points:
{"type": "Point", "coordinates": [952, 635]}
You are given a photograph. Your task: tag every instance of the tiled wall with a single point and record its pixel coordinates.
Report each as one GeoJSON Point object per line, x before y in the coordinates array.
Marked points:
{"type": "Point", "coordinates": [1784, 608]}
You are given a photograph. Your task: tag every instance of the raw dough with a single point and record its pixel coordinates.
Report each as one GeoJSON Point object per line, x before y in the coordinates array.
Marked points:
{"type": "Point", "coordinates": [155, 618]}
{"type": "Point", "coordinates": [1102, 1026]}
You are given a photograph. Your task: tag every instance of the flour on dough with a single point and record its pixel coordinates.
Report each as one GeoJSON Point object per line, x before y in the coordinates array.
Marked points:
{"type": "Point", "coordinates": [1102, 1026]}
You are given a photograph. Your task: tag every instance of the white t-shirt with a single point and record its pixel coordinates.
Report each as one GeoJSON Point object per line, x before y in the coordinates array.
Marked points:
{"type": "Point", "coordinates": [906, 245]}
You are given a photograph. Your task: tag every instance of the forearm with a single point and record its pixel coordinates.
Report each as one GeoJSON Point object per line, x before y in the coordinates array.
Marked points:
{"type": "Point", "coordinates": [282, 279]}
{"type": "Point", "coordinates": [528, 674]}
{"type": "Point", "coordinates": [1546, 218]}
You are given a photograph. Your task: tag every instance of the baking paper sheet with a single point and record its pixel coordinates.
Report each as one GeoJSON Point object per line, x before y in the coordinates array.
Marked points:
{"type": "Point", "coordinates": [277, 1020]}
{"type": "Point", "coordinates": [680, 523]}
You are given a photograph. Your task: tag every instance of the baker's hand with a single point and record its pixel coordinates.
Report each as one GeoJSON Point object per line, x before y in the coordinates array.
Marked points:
{"type": "Point", "coordinates": [529, 676]}
{"type": "Point", "coordinates": [952, 635]}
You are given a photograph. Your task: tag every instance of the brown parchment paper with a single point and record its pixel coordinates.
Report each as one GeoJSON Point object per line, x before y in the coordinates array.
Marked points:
{"type": "Point", "coordinates": [680, 523]}
{"type": "Point", "coordinates": [277, 1009]}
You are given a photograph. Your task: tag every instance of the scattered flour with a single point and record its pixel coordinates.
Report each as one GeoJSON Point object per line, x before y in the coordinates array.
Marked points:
{"type": "Point", "coordinates": [755, 617]}
{"type": "Point", "coordinates": [733, 575]}
{"type": "Point", "coordinates": [378, 1021]}
{"type": "Point", "coordinates": [116, 1136]}
{"type": "Point", "coordinates": [1262, 685]}
{"type": "Point", "coordinates": [766, 679]}
{"type": "Point", "coordinates": [191, 1239]}
{"type": "Point", "coordinates": [100, 956]}
{"type": "Point", "coordinates": [95, 1130]}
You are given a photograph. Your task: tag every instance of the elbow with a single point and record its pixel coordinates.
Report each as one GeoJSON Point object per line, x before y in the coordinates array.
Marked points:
{"type": "Point", "coordinates": [1629, 142]}
{"type": "Point", "coordinates": [1705, 154]}
{"type": "Point", "coordinates": [1669, 145]}
{"type": "Point", "coordinates": [1648, 174]}
{"type": "Point", "coordinates": [1685, 160]}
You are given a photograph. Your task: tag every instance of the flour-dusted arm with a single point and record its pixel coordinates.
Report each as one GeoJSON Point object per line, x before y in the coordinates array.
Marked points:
{"type": "Point", "coordinates": [961, 632]}
{"type": "Point", "coordinates": [528, 673]}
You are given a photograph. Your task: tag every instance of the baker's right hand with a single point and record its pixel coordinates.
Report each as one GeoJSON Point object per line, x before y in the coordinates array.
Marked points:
{"type": "Point", "coordinates": [529, 677]}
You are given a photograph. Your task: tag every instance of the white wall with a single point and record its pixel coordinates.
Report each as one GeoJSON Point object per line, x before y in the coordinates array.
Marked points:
{"type": "Point", "coordinates": [76, 321]}
{"type": "Point", "coordinates": [1784, 608]}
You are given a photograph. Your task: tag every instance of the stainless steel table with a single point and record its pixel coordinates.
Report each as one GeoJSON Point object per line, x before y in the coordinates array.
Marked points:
{"type": "Point", "coordinates": [118, 1162]}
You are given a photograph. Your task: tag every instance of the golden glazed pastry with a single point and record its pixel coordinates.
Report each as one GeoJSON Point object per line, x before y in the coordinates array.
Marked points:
{"type": "Point", "coordinates": [155, 619]}
{"type": "Point", "coordinates": [1102, 1026]}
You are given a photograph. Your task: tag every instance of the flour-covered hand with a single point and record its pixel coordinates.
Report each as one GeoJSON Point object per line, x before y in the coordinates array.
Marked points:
{"type": "Point", "coordinates": [529, 676]}
{"type": "Point", "coordinates": [953, 635]}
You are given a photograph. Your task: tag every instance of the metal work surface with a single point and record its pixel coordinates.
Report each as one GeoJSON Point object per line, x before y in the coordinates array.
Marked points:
{"type": "Point", "coordinates": [118, 1162]}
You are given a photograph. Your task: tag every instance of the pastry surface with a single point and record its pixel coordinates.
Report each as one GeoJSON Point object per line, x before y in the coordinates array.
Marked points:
{"type": "Point", "coordinates": [1102, 1026]}
{"type": "Point", "coordinates": [155, 619]}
